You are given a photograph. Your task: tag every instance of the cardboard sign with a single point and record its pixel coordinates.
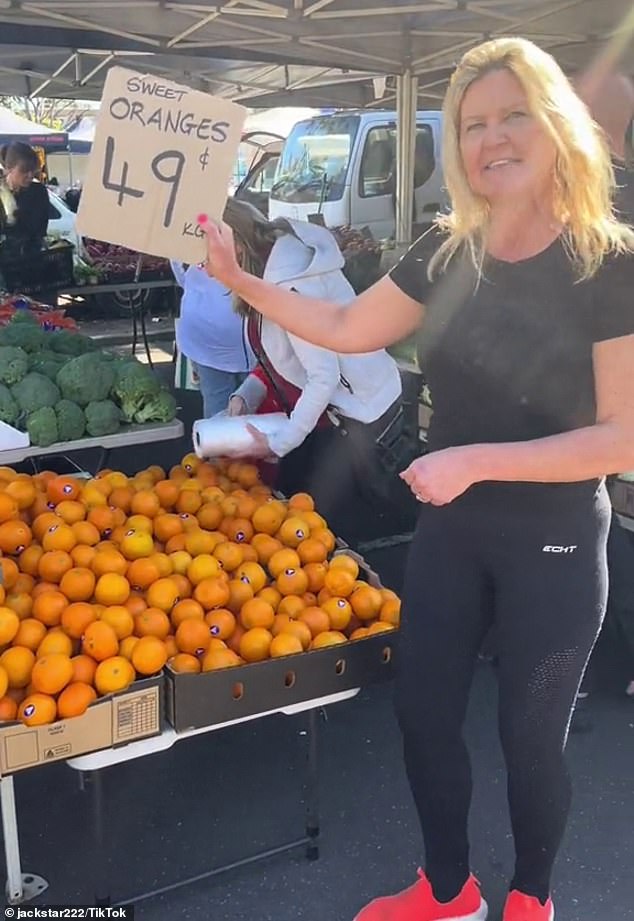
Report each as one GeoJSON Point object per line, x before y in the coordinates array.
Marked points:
{"type": "Point", "coordinates": [162, 154]}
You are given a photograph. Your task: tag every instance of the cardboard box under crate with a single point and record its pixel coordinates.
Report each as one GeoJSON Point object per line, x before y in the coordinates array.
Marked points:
{"type": "Point", "coordinates": [194, 701]}
{"type": "Point", "coordinates": [108, 723]}
{"type": "Point", "coordinates": [622, 496]}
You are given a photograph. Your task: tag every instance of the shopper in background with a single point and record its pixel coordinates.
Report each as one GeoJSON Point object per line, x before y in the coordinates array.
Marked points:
{"type": "Point", "coordinates": [524, 293]}
{"type": "Point", "coordinates": [210, 334]}
{"type": "Point", "coordinates": [23, 200]}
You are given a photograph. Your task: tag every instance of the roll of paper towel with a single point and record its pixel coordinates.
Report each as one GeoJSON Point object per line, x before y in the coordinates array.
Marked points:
{"type": "Point", "coordinates": [228, 436]}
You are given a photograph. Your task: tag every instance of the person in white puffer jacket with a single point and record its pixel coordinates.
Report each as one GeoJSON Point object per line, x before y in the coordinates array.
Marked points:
{"type": "Point", "coordinates": [359, 395]}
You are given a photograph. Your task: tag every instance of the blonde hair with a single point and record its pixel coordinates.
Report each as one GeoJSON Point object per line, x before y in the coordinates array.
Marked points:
{"type": "Point", "coordinates": [583, 177]}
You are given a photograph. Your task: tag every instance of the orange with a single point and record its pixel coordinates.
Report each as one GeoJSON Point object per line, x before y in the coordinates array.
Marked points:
{"type": "Point", "coordinates": [345, 562]}
{"type": "Point", "coordinates": [339, 581]}
{"type": "Point", "coordinates": [18, 663]}
{"type": "Point", "coordinates": [257, 613]}
{"type": "Point", "coordinates": [145, 502]}
{"type": "Point", "coordinates": [53, 564]}
{"type": "Point", "coordinates": [247, 475]}
{"type": "Point", "coordinates": [60, 488]}
{"type": "Point", "coordinates": [76, 617]}
{"type": "Point", "coordinates": [326, 537]}
{"type": "Point", "coordinates": [177, 474]}
{"type": "Point", "coordinates": [24, 583]}
{"type": "Point", "coordinates": [193, 636]}
{"type": "Point", "coordinates": [114, 674]}
{"type": "Point", "coordinates": [136, 603]}
{"type": "Point", "coordinates": [120, 619]}
{"type": "Point", "coordinates": [86, 533]}
{"type": "Point", "coordinates": [75, 700]}
{"type": "Point", "coordinates": [291, 605]}
{"type": "Point", "coordinates": [285, 644]}
{"type": "Point", "coordinates": [163, 594]}
{"type": "Point", "coordinates": [149, 655]}
{"type": "Point", "coordinates": [37, 710]}
{"type": "Point", "coordinates": [23, 490]}
{"type": "Point", "coordinates": [239, 593]}
{"type": "Point", "coordinates": [316, 619]}
{"type": "Point", "coordinates": [202, 567]}
{"type": "Point", "coordinates": [311, 550]}
{"type": "Point", "coordinates": [233, 641]}
{"type": "Point", "coordinates": [103, 519]}
{"type": "Point", "coordinates": [253, 574]}
{"type": "Point", "coordinates": [84, 668]}
{"type": "Point", "coordinates": [366, 602]}
{"type": "Point", "coordinates": [390, 612]}
{"type": "Point", "coordinates": [281, 621]}
{"type": "Point", "coordinates": [48, 608]}
{"type": "Point", "coordinates": [166, 526]}
{"type": "Point", "coordinates": [78, 584]}
{"type": "Point", "coordinates": [220, 658]}
{"type": "Point", "coordinates": [180, 560]}
{"type": "Point", "coordinates": [55, 642]}
{"type": "Point", "coordinates": [51, 673]}
{"type": "Point", "coordinates": [213, 593]}
{"type": "Point", "coordinates": [42, 522]}
{"type": "Point", "coordinates": [189, 522]}
{"type": "Point", "coordinates": [152, 622]}
{"type": "Point", "coordinates": [71, 511]}
{"type": "Point", "coordinates": [112, 589]}
{"type": "Point", "coordinates": [162, 563]}
{"type": "Point", "coordinates": [14, 537]}
{"type": "Point", "coordinates": [221, 623]}
{"type": "Point", "coordinates": [255, 644]}
{"type": "Point", "coordinates": [109, 560]}
{"type": "Point", "coordinates": [9, 626]}
{"type": "Point", "coordinates": [184, 609]}
{"type": "Point", "coordinates": [9, 572]}
{"type": "Point", "coordinates": [142, 573]}
{"type": "Point", "coordinates": [136, 544]}
{"type": "Point", "coordinates": [8, 710]}
{"type": "Point", "coordinates": [239, 530]}
{"type": "Point", "coordinates": [16, 694]}
{"type": "Point", "coordinates": [316, 573]}
{"type": "Point", "coordinates": [339, 612]}
{"type": "Point", "coordinates": [29, 559]}
{"type": "Point", "coordinates": [328, 638]}
{"type": "Point", "coordinates": [21, 603]}
{"type": "Point", "coordinates": [268, 518]}
{"type": "Point", "coordinates": [127, 645]}
{"type": "Point", "coordinates": [292, 582]}
{"type": "Point", "coordinates": [265, 546]}
{"type": "Point", "coordinates": [283, 559]}
{"type": "Point", "coordinates": [270, 593]}
{"type": "Point", "coordinates": [121, 497]}
{"type": "Point", "coordinates": [184, 663]}
{"type": "Point", "coordinates": [209, 515]}
{"type": "Point", "coordinates": [100, 641]}
{"type": "Point", "coordinates": [59, 537]}
{"type": "Point", "coordinates": [30, 633]}
{"type": "Point", "coordinates": [171, 648]}
{"type": "Point", "coordinates": [4, 681]}
{"type": "Point", "coordinates": [293, 531]}
{"type": "Point", "coordinates": [229, 554]}
{"type": "Point", "coordinates": [380, 627]}
{"type": "Point", "coordinates": [82, 555]}
{"type": "Point", "coordinates": [302, 502]}
{"type": "Point", "coordinates": [359, 634]}
{"type": "Point", "coordinates": [314, 521]}
{"type": "Point", "coordinates": [189, 500]}
{"type": "Point", "coordinates": [7, 474]}
{"type": "Point", "coordinates": [167, 492]}
{"type": "Point", "coordinates": [156, 472]}
{"type": "Point", "coordinates": [8, 507]}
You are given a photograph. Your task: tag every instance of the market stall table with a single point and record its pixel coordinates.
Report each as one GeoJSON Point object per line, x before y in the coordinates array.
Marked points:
{"type": "Point", "coordinates": [130, 435]}
{"type": "Point", "coordinates": [137, 313]}
{"type": "Point", "coordinates": [21, 887]}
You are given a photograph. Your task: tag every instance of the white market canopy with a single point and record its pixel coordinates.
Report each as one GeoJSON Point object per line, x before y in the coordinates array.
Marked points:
{"type": "Point", "coordinates": [14, 127]}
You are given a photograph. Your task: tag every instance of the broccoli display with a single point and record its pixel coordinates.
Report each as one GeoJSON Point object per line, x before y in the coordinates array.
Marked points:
{"type": "Point", "coordinates": [46, 362]}
{"type": "Point", "coordinates": [158, 408]}
{"type": "Point", "coordinates": [35, 391]}
{"type": "Point", "coordinates": [71, 420]}
{"type": "Point", "coordinates": [14, 363]}
{"type": "Point", "coordinates": [9, 409]}
{"type": "Point", "coordinates": [42, 427]}
{"type": "Point", "coordinates": [134, 385]}
{"type": "Point", "coordinates": [103, 417]}
{"type": "Point", "coordinates": [86, 379]}
{"type": "Point", "coordinates": [27, 336]}
{"type": "Point", "coordinates": [67, 343]}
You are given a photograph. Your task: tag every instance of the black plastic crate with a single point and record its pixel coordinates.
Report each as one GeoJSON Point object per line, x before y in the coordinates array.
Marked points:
{"type": "Point", "coordinates": [42, 271]}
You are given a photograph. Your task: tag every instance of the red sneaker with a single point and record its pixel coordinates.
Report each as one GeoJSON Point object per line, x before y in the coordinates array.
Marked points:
{"type": "Point", "coordinates": [520, 907]}
{"type": "Point", "coordinates": [418, 904]}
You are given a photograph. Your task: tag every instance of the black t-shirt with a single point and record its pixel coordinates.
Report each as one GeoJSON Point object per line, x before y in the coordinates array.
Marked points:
{"type": "Point", "coordinates": [510, 358]}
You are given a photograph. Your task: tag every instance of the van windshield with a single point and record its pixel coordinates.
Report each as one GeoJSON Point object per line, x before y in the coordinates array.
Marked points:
{"type": "Point", "coordinates": [315, 159]}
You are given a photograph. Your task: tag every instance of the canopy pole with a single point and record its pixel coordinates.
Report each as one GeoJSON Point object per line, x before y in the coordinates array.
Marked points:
{"type": "Point", "coordinates": [406, 99]}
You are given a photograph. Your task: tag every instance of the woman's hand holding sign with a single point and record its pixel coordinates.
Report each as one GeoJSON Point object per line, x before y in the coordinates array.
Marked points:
{"type": "Point", "coordinates": [222, 262]}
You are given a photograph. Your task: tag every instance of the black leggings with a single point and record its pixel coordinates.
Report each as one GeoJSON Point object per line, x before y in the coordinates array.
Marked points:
{"type": "Point", "coordinates": [531, 560]}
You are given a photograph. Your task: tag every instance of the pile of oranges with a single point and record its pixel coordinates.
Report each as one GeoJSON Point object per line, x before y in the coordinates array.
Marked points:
{"type": "Point", "coordinates": [108, 579]}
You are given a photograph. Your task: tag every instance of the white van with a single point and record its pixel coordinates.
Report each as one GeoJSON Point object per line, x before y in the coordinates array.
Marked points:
{"type": "Point", "coordinates": [61, 221]}
{"type": "Point", "coordinates": [344, 167]}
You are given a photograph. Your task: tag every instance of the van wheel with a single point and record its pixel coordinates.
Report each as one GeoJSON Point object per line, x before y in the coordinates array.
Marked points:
{"type": "Point", "coordinates": [117, 303]}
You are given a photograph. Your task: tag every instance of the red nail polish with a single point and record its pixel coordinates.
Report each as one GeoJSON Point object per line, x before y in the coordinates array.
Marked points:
{"type": "Point", "coordinates": [202, 219]}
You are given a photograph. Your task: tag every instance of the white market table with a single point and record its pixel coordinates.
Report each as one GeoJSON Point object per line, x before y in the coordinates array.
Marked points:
{"type": "Point", "coordinates": [131, 435]}
{"type": "Point", "coordinates": [20, 885]}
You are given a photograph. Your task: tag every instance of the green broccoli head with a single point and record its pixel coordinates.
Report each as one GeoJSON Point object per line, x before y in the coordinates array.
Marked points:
{"type": "Point", "coordinates": [14, 363]}
{"type": "Point", "coordinates": [9, 409]}
{"type": "Point", "coordinates": [27, 336]}
{"type": "Point", "coordinates": [42, 427]}
{"type": "Point", "coordinates": [23, 315]}
{"type": "Point", "coordinates": [67, 343]}
{"type": "Point", "coordinates": [102, 418]}
{"type": "Point", "coordinates": [86, 379]}
{"type": "Point", "coordinates": [47, 363]}
{"type": "Point", "coordinates": [158, 408]}
{"type": "Point", "coordinates": [134, 385]}
{"type": "Point", "coordinates": [34, 391]}
{"type": "Point", "coordinates": [71, 420]}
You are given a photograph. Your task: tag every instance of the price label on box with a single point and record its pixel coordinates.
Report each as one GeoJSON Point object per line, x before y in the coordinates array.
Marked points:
{"type": "Point", "coordinates": [162, 154]}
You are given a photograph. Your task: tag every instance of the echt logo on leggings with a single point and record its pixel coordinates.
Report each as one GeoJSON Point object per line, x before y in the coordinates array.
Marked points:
{"type": "Point", "coordinates": [554, 549]}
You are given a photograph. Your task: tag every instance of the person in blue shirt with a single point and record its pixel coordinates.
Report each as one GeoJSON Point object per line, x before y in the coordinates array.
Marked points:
{"type": "Point", "coordinates": [210, 333]}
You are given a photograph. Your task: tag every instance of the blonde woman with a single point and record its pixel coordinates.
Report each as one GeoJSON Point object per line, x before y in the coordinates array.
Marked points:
{"type": "Point", "coordinates": [523, 297]}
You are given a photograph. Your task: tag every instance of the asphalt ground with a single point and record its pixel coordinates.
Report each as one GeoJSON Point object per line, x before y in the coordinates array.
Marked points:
{"type": "Point", "coordinates": [220, 797]}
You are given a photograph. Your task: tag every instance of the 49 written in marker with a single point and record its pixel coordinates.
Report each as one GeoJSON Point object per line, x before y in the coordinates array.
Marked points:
{"type": "Point", "coordinates": [162, 153]}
